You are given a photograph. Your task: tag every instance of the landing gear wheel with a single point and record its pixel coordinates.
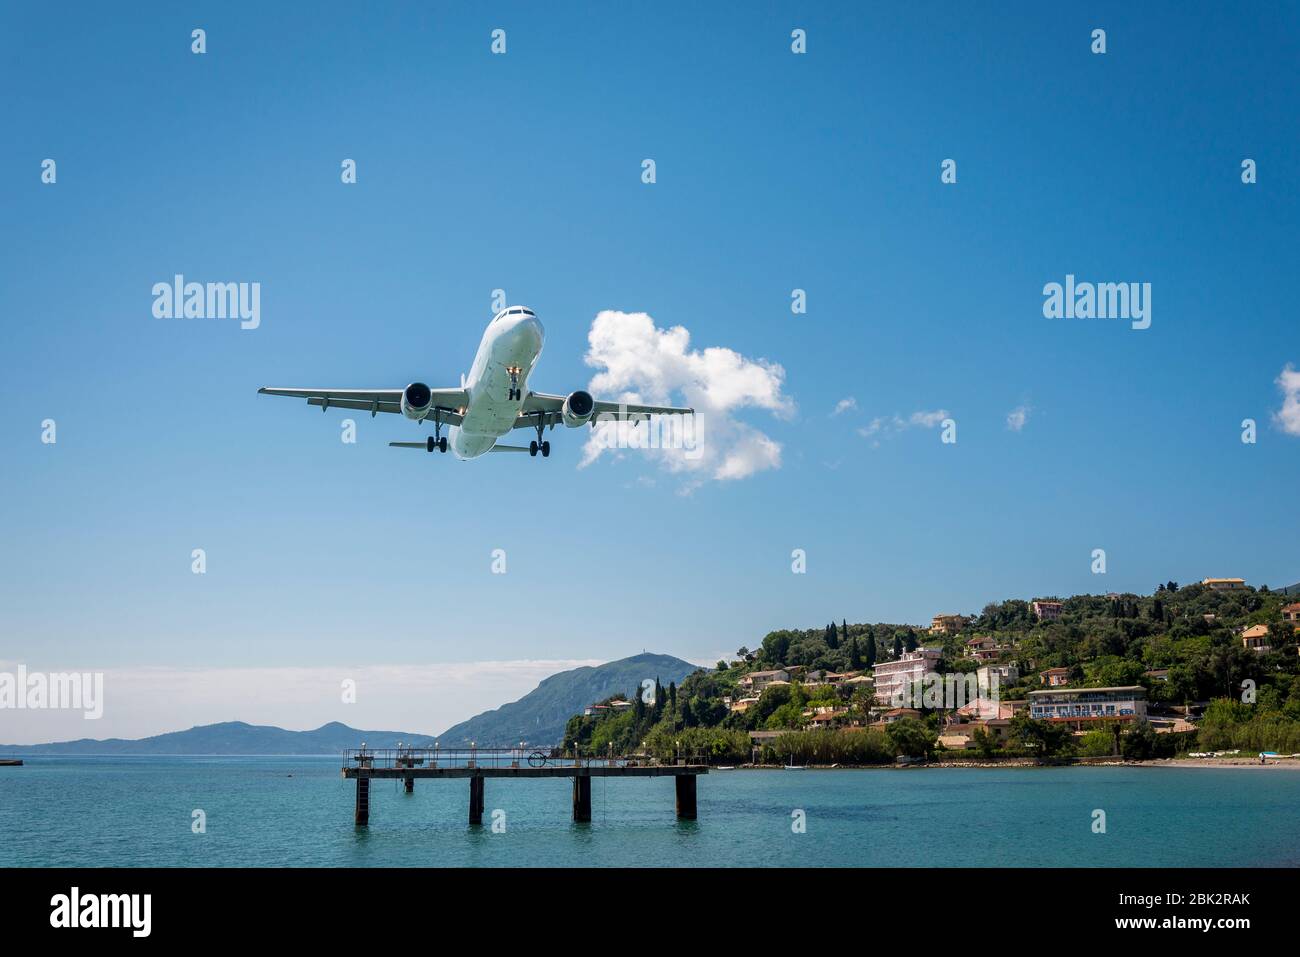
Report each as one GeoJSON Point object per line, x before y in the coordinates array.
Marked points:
{"type": "Point", "coordinates": [532, 449]}
{"type": "Point", "coordinates": [430, 444]}
{"type": "Point", "coordinates": [546, 449]}
{"type": "Point", "coordinates": [442, 444]}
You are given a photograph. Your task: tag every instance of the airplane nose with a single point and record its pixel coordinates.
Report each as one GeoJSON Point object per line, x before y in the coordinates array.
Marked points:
{"type": "Point", "coordinates": [530, 328]}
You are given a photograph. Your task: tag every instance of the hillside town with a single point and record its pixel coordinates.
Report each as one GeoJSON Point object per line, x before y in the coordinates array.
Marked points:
{"type": "Point", "coordinates": [1214, 665]}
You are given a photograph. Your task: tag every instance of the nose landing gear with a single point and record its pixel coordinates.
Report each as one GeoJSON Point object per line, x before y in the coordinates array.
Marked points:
{"type": "Point", "coordinates": [514, 394]}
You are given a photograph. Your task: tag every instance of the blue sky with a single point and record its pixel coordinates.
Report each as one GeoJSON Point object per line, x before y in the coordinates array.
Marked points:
{"type": "Point", "coordinates": [775, 171]}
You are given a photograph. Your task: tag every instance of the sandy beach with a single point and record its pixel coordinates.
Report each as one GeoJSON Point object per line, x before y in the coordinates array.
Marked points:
{"type": "Point", "coordinates": [1240, 761]}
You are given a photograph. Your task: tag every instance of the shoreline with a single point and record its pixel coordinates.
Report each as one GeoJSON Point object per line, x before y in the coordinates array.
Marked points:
{"type": "Point", "coordinates": [1292, 764]}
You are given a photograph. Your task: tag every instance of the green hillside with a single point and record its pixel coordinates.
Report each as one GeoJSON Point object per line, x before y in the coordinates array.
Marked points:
{"type": "Point", "coordinates": [539, 716]}
{"type": "Point", "coordinates": [1183, 644]}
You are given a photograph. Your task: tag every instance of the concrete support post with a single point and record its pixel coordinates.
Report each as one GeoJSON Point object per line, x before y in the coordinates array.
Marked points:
{"type": "Point", "coordinates": [410, 785]}
{"type": "Point", "coordinates": [685, 796]}
{"type": "Point", "coordinates": [582, 797]}
{"type": "Point", "coordinates": [476, 800]}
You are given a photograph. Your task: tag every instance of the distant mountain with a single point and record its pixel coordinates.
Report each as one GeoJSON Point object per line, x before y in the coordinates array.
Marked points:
{"type": "Point", "coordinates": [1290, 590]}
{"type": "Point", "coordinates": [230, 737]}
{"type": "Point", "coordinates": [539, 716]}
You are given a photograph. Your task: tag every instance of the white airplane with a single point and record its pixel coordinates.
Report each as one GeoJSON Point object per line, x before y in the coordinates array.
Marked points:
{"type": "Point", "coordinates": [492, 400]}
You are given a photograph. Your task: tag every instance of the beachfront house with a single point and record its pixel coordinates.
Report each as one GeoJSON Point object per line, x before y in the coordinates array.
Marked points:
{"type": "Point", "coordinates": [1084, 708]}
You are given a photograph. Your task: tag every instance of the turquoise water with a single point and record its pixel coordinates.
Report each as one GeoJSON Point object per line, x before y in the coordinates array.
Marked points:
{"type": "Point", "coordinates": [137, 811]}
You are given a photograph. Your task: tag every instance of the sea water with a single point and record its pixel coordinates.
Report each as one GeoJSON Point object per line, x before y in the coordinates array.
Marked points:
{"type": "Point", "coordinates": [286, 811]}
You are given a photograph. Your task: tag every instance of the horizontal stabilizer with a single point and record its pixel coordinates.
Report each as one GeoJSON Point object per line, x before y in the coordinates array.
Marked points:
{"type": "Point", "coordinates": [408, 445]}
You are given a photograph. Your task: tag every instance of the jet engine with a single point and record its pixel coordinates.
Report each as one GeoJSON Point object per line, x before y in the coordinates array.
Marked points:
{"type": "Point", "coordinates": [577, 409]}
{"type": "Point", "coordinates": [417, 399]}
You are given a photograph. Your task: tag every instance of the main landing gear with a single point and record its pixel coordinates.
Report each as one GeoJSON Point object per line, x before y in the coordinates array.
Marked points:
{"type": "Point", "coordinates": [436, 441]}
{"type": "Point", "coordinates": [538, 444]}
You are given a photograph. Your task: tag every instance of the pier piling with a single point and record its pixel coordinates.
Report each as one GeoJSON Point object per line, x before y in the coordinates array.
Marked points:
{"type": "Point", "coordinates": [685, 797]}
{"type": "Point", "coordinates": [476, 800]}
{"type": "Point", "coordinates": [581, 798]}
{"type": "Point", "coordinates": [363, 801]}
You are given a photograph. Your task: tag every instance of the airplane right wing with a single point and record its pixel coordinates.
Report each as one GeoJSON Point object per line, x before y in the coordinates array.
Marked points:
{"type": "Point", "coordinates": [446, 401]}
{"type": "Point", "coordinates": [540, 405]}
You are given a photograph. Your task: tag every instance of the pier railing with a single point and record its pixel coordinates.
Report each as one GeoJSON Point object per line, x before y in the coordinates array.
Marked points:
{"type": "Point", "coordinates": [520, 757]}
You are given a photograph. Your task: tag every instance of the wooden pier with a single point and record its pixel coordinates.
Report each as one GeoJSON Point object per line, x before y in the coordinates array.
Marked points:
{"type": "Point", "coordinates": [478, 764]}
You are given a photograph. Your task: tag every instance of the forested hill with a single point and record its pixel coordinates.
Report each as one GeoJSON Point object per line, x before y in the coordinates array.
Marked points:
{"type": "Point", "coordinates": [539, 716]}
{"type": "Point", "coordinates": [1183, 644]}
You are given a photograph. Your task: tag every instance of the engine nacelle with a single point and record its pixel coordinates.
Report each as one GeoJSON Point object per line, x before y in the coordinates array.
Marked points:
{"type": "Point", "coordinates": [417, 399]}
{"type": "Point", "coordinates": [577, 409]}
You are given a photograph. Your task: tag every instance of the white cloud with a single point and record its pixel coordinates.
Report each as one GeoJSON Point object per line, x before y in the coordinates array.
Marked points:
{"type": "Point", "coordinates": [640, 362]}
{"type": "Point", "coordinates": [1287, 418]}
{"type": "Point", "coordinates": [1017, 418]}
{"type": "Point", "coordinates": [886, 425]}
{"type": "Point", "coordinates": [927, 420]}
{"type": "Point", "coordinates": [849, 404]}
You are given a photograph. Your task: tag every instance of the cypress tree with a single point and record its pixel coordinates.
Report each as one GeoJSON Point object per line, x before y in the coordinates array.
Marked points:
{"type": "Point", "coordinates": [855, 659]}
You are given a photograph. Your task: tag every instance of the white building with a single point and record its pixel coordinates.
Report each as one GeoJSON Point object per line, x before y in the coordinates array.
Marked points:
{"type": "Point", "coordinates": [893, 676]}
{"type": "Point", "coordinates": [1002, 674]}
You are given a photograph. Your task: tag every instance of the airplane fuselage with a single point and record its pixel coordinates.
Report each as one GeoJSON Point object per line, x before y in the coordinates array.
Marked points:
{"type": "Point", "coordinates": [498, 381]}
